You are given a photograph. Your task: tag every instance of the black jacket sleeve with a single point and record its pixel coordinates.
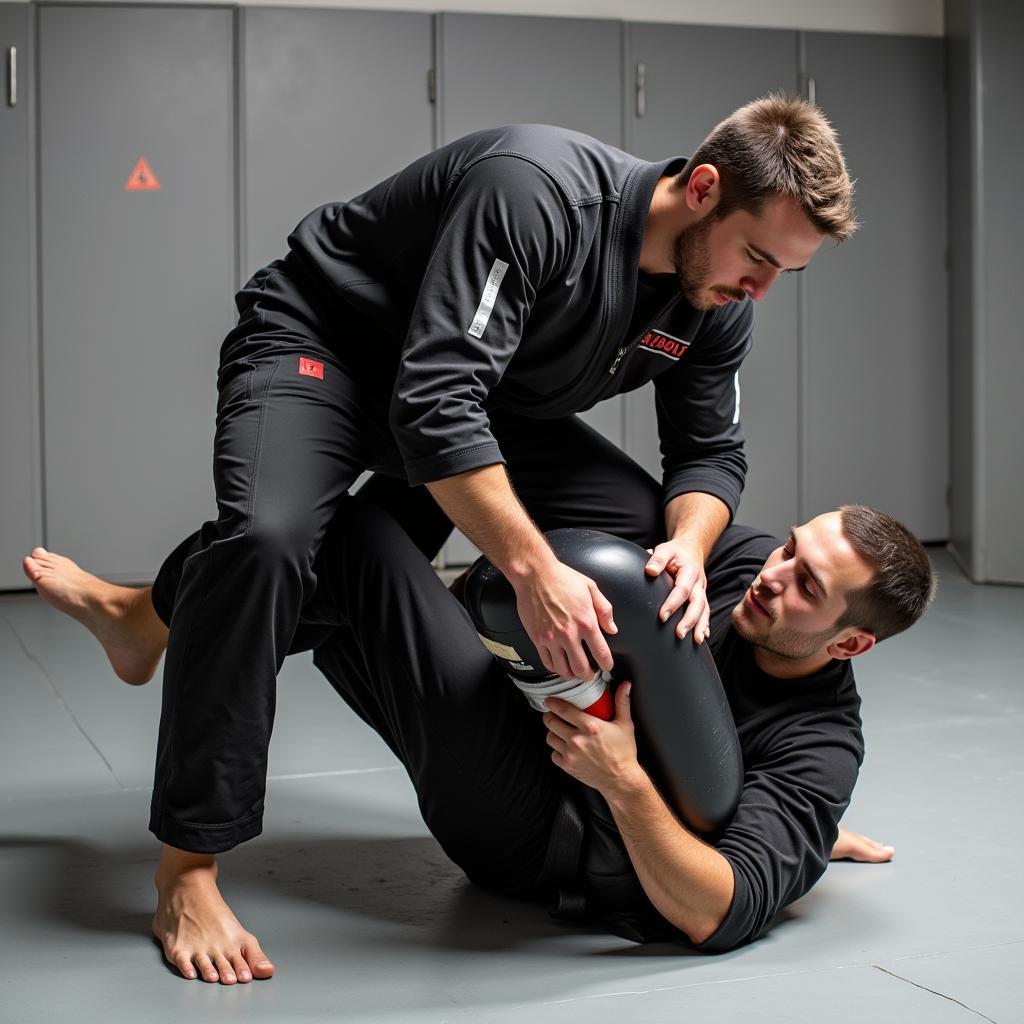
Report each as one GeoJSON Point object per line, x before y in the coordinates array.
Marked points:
{"type": "Point", "coordinates": [698, 404]}
{"type": "Point", "coordinates": [504, 232]}
{"type": "Point", "coordinates": [779, 841]}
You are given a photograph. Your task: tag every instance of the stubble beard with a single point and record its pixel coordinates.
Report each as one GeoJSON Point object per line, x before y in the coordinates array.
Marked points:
{"type": "Point", "coordinates": [783, 642]}
{"type": "Point", "coordinates": [691, 258]}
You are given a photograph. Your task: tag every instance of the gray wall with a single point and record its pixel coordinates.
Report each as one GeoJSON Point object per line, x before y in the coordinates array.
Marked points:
{"type": "Point", "coordinates": [874, 422]}
{"type": "Point", "coordinates": [135, 286]}
{"type": "Point", "coordinates": [20, 489]}
{"type": "Point", "coordinates": [128, 377]}
{"type": "Point", "coordinates": [985, 40]}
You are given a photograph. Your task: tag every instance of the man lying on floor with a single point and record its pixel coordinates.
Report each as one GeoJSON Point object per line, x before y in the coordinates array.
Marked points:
{"type": "Point", "coordinates": [786, 622]}
{"type": "Point", "coordinates": [491, 774]}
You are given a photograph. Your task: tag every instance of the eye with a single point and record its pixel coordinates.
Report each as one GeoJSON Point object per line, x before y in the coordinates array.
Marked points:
{"type": "Point", "coordinates": [756, 260]}
{"type": "Point", "coordinates": [806, 587]}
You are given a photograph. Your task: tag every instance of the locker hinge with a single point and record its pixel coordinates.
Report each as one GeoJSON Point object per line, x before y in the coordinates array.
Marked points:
{"type": "Point", "coordinates": [12, 76]}
{"type": "Point", "coordinates": [431, 86]}
{"type": "Point", "coordinates": [641, 90]}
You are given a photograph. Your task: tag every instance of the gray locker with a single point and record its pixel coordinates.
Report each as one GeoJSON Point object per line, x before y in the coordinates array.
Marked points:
{"type": "Point", "coordinates": [692, 77]}
{"type": "Point", "coordinates": [499, 69]}
{"type": "Point", "coordinates": [334, 101]}
{"type": "Point", "coordinates": [20, 496]}
{"type": "Point", "coordinates": [984, 39]}
{"type": "Point", "coordinates": [875, 377]}
{"type": "Point", "coordinates": [999, 351]}
{"type": "Point", "coordinates": [496, 69]}
{"type": "Point", "coordinates": [136, 279]}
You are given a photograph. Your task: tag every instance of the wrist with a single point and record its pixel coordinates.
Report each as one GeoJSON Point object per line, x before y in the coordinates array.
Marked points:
{"type": "Point", "coordinates": [690, 542]}
{"type": "Point", "coordinates": [627, 788]}
{"type": "Point", "coordinates": [529, 563]}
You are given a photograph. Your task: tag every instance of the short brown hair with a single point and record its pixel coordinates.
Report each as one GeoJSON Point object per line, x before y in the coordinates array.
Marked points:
{"type": "Point", "coordinates": [780, 145]}
{"type": "Point", "coordinates": [904, 582]}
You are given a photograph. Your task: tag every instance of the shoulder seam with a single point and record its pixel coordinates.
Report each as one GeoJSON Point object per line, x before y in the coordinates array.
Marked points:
{"type": "Point", "coordinates": [587, 200]}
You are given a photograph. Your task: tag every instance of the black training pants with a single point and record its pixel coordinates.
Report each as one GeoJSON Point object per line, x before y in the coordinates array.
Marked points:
{"type": "Point", "coordinates": [405, 656]}
{"type": "Point", "coordinates": [295, 427]}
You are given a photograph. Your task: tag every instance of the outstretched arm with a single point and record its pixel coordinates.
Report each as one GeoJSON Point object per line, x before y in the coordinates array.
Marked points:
{"type": "Point", "coordinates": [688, 882]}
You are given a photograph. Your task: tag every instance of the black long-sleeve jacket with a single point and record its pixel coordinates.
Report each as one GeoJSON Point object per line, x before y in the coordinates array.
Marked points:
{"type": "Point", "coordinates": [501, 271]}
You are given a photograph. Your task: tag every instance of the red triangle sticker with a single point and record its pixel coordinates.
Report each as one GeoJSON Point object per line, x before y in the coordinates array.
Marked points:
{"type": "Point", "coordinates": [142, 179]}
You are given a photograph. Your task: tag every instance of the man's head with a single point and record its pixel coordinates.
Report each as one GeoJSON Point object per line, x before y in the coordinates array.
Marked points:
{"type": "Point", "coordinates": [763, 191]}
{"type": "Point", "coordinates": [840, 584]}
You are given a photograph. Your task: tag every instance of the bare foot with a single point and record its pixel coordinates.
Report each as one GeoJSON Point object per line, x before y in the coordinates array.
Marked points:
{"type": "Point", "coordinates": [199, 933]}
{"type": "Point", "coordinates": [854, 846]}
{"type": "Point", "coordinates": [121, 618]}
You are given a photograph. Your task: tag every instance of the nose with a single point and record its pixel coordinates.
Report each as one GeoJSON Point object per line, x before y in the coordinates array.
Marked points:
{"type": "Point", "coordinates": [771, 579]}
{"type": "Point", "coordinates": [756, 286]}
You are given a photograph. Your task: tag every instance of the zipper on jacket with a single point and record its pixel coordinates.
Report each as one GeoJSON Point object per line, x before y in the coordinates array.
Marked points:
{"type": "Point", "coordinates": [618, 359]}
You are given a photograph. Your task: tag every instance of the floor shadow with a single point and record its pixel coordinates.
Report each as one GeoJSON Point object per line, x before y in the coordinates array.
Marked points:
{"type": "Point", "coordinates": [401, 881]}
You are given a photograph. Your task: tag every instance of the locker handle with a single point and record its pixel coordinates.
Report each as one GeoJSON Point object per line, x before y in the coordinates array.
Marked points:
{"type": "Point", "coordinates": [810, 90]}
{"type": "Point", "coordinates": [12, 76]}
{"type": "Point", "coordinates": [641, 90]}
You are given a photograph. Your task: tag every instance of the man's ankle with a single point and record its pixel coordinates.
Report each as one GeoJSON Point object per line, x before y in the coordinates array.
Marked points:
{"type": "Point", "coordinates": [175, 863]}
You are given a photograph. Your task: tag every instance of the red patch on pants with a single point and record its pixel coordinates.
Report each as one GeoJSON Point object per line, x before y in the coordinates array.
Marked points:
{"type": "Point", "coordinates": [311, 368]}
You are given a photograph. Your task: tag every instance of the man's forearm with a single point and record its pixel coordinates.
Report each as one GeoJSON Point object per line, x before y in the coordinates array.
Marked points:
{"type": "Point", "coordinates": [482, 504]}
{"type": "Point", "coordinates": [696, 519]}
{"type": "Point", "coordinates": [690, 883]}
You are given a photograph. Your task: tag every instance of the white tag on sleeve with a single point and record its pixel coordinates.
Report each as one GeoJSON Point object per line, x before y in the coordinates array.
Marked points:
{"type": "Point", "coordinates": [484, 310]}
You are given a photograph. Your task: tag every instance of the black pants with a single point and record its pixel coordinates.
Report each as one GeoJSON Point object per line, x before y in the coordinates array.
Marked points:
{"type": "Point", "coordinates": [242, 593]}
{"type": "Point", "coordinates": [406, 658]}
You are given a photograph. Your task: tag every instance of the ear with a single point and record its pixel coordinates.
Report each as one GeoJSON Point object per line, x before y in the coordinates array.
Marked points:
{"type": "Point", "coordinates": [850, 644]}
{"type": "Point", "coordinates": [703, 190]}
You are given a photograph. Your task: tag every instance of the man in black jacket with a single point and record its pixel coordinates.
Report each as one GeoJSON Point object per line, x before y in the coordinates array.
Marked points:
{"type": "Point", "coordinates": [786, 622]}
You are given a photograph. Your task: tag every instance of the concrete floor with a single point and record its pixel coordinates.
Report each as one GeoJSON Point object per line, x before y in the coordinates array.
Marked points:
{"type": "Point", "coordinates": [367, 921]}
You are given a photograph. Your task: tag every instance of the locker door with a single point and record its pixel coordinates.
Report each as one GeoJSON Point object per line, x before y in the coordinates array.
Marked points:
{"type": "Point", "coordinates": [334, 102]}
{"type": "Point", "coordinates": [497, 69]}
{"type": "Point", "coordinates": [20, 505]}
{"type": "Point", "coordinates": [876, 424]}
{"type": "Point", "coordinates": [138, 270]}
{"type": "Point", "coordinates": [692, 78]}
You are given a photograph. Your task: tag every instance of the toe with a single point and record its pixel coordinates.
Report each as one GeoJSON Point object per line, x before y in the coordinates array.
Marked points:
{"type": "Point", "coordinates": [258, 961]}
{"type": "Point", "coordinates": [206, 969]}
{"type": "Point", "coordinates": [39, 552]}
{"type": "Point", "coordinates": [241, 968]}
{"type": "Point", "coordinates": [184, 964]}
{"type": "Point", "coordinates": [224, 969]}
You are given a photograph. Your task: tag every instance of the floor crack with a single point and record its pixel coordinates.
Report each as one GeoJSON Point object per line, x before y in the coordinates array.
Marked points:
{"type": "Point", "coordinates": [60, 699]}
{"type": "Point", "coordinates": [941, 995]}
